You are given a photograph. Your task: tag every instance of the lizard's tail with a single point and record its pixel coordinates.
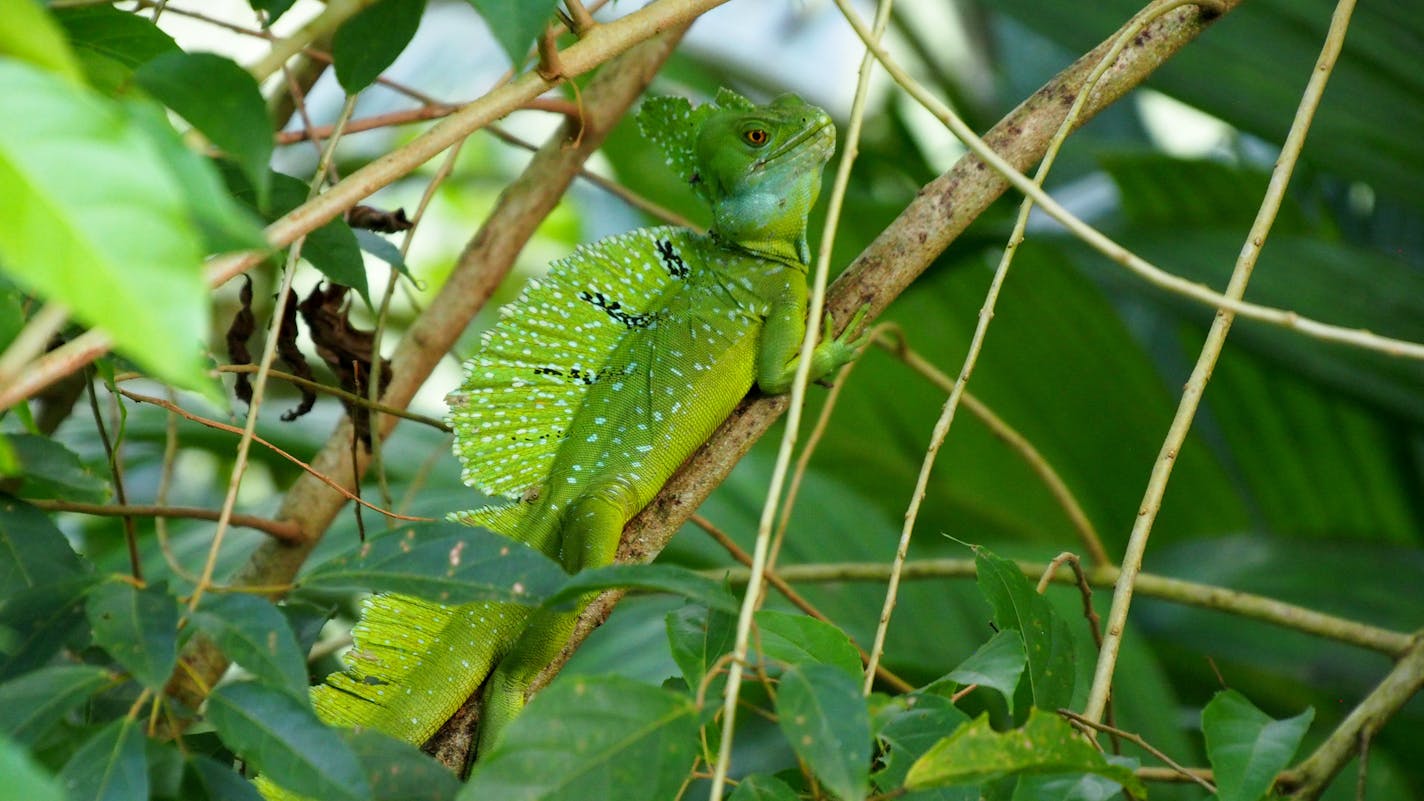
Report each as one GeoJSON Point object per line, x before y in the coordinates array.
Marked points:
{"type": "Point", "coordinates": [414, 662]}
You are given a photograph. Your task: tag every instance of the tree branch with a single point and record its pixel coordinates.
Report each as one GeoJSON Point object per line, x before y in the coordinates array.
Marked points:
{"type": "Point", "coordinates": [486, 260]}
{"type": "Point", "coordinates": [941, 211]}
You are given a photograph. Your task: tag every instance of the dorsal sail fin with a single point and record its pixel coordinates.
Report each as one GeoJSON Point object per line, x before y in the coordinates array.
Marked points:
{"type": "Point", "coordinates": [536, 365]}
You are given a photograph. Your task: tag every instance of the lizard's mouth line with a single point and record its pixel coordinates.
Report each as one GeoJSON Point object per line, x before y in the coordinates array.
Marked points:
{"type": "Point", "coordinates": [792, 144]}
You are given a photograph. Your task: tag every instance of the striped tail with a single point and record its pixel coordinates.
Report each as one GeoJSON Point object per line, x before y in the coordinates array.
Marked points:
{"type": "Point", "coordinates": [413, 662]}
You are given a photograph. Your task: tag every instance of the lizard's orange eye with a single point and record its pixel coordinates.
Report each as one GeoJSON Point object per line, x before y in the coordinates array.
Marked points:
{"type": "Point", "coordinates": [756, 137]}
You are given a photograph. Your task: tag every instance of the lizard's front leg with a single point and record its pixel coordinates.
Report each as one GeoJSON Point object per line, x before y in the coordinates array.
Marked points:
{"type": "Point", "coordinates": [781, 338]}
{"type": "Point", "coordinates": [589, 538]}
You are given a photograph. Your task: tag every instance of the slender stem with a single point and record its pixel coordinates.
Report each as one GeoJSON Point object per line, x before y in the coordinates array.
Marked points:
{"type": "Point", "coordinates": [1206, 361]}
{"type": "Point", "coordinates": [1308, 780]}
{"type": "Point", "coordinates": [338, 392]}
{"type": "Point", "coordinates": [1242, 604]}
{"type": "Point", "coordinates": [1142, 743]}
{"type": "Point", "coordinates": [894, 342]}
{"type": "Point", "coordinates": [761, 548]}
{"type": "Point", "coordinates": [32, 339]}
{"type": "Point", "coordinates": [1156, 276]}
{"type": "Point", "coordinates": [282, 530]}
{"type": "Point", "coordinates": [797, 599]}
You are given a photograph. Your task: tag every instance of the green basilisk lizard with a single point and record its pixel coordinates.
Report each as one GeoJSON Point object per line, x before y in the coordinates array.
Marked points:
{"type": "Point", "coordinates": [593, 387]}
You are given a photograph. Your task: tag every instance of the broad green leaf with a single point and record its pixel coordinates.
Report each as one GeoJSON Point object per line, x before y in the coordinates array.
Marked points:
{"type": "Point", "coordinates": [280, 736]}
{"type": "Point", "coordinates": [91, 218]}
{"type": "Point", "coordinates": [824, 717]}
{"type": "Point", "coordinates": [331, 248]}
{"type": "Point", "coordinates": [36, 701]}
{"type": "Point", "coordinates": [33, 552]}
{"type": "Point", "coordinates": [1246, 747]}
{"type": "Point", "coordinates": [380, 247]}
{"type": "Point", "coordinates": [47, 469]}
{"type": "Point", "coordinates": [659, 578]}
{"type": "Point", "coordinates": [369, 42]}
{"type": "Point", "coordinates": [110, 766]}
{"type": "Point", "coordinates": [398, 771]}
{"type": "Point", "coordinates": [35, 623]}
{"type": "Point", "coordinates": [110, 44]}
{"type": "Point", "coordinates": [760, 787]}
{"type": "Point", "coordinates": [698, 637]}
{"type": "Point", "coordinates": [1046, 744]}
{"type": "Point", "coordinates": [30, 34]}
{"type": "Point", "coordinates": [206, 778]}
{"type": "Point", "coordinates": [251, 632]}
{"type": "Point", "coordinates": [1086, 787]}
{"type": "Point", "coordinates": [224, 223]}
{"type": "Point", "coordinates": [797, 639]}
{"type": "Point", "coordinates": [138, 628]}
{"type": "Point", "coordinates": [1048, 644]}
{"type": "Point", "coordinates": [515, 23]}
{"type": "Point", "coordinates": [443, 562]}
{"type": "Point", "coordinates": [24, 778]}
{"type": "Point", "coordinates": [920, 721]}
{"type": "Point", "coordinates": [602, 737]}
{"type": "Point", "coordinates": [998, 664]}
{"type": "Point", "coordinates": [220, 99]}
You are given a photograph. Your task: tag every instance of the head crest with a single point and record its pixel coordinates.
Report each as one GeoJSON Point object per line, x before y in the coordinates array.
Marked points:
{"type": "Point", "coordinates": [672, 124]}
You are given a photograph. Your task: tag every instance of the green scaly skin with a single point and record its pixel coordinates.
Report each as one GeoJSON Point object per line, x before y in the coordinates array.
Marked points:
{"type": "Point", "coordinates": [591, 391]}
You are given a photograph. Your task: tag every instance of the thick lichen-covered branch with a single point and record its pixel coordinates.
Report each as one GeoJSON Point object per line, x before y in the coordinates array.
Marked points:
{"type": "Point", "coordinates": [940, 212]}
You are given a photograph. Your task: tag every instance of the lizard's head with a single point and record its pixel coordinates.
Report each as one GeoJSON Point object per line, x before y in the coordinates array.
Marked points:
{"type": "Point", "coordinates": [760, 166]}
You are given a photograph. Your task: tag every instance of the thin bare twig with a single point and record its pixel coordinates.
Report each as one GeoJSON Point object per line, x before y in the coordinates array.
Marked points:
{"type": "Point", "coordinates": [279, 529]}
{"type": "Point", "coordinates": [1206, 361]}
{"type": "Point", "coordinates": [1138, 740]}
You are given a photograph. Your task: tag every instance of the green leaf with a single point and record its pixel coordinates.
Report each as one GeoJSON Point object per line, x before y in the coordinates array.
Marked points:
{"type": "Point", "coordinates": [332, 248]}
{"type": "Point", "coordinates": [398, 771]}
{"type": "Point", "coordinates": [380, 247]}
{"type": "Point", "coordinates": [516, 24]}
{"type": "Point", "coordinates": [110, 43]}
{"type": "Point", "coordinates": [658, 578]}
{"type": "Point", "coordinates": [760, 787]}
{"type": "Point", "coordinates": [30, 34]}
{"type": "Point", "coordinates": [206, 778]}
{"type": "Point", "coordinates": [24, 778]}
{"type": "Point", "coordinates": [110, 766]}
{"type": "Point", "coordinates": [282, 738]}
{"type": "Point", "coordinates": [595, 737]}
{"type": "Point", "coordinates": [1048, 644]}
{"type": "Point", "coordinates": [138, 628]}
{"type": "Point", "coordinates": [36, 623]}
{"type": "Point", "coordinates": [920, 721]}
{"type": "Point", "coordinates": [36, 701]}
{"type": "Point", "coordinates": [824, 717]}
{"type": "Point", "coordinates": [220, 99]}
{"type": "Point", "coordinates": [698, 637]}
{"type": "Point", "coordinates": [91, 218]}
{"type": "Point", "coordinates": [369, 42]}
{"type": "Point", "coordinates": [250, 631]}
{"type": "Point", "coordinates": [33, 552]}
{"type": "Point", "coordinates": [1246, 747]}
{"type": "Point", "coordinates": [1046, 744]}
{"type": "Point", "coordinates": [1087, 787]}
{"type": "Point", "coordinates": [443, 562]}
{"type": "Point", "coordinates": [47, 469]}
{"type": "Point", "coordinates": [274, 8]}
{"type": "Point", "coordinates": [797, 639]}
{"type": "Point", "coordinates": [997, 664]}
{"type": "Point", "coordinates": [224, 223]}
